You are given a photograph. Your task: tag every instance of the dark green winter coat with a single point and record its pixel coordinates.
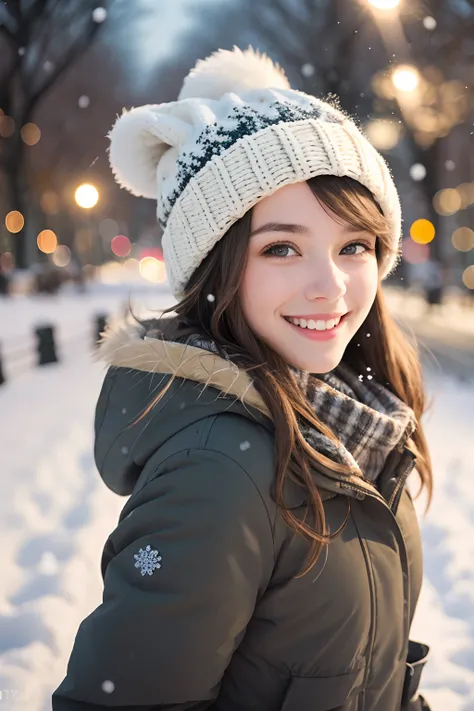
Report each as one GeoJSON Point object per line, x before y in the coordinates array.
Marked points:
{"type": "Point", "coordinates": [201, 607]}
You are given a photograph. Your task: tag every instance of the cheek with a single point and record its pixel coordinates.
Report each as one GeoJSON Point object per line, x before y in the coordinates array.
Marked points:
{"type": "Point", "coordinates": [263, 289]}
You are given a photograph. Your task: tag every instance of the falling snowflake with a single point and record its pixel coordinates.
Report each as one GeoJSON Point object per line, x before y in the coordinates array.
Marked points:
{"type": "Point", "coordinates": [368, 335]}
{"type": "Point", "coordinates": [147, 560]}
{"type": "Point", "coordinates": [48, 66]}
{"type": "Point", "coordinates": [49, 564]}
{"type": "Point", "coordinates": [450, 165]}
{"type": "Point", "coordinates": [429, 23]}
{"type": "Point", "coordinates": [21, 51]}
{"type": "Point", "coordinates": [83, 102]}
{"type": "Point", "coordinates": [368, 369]}
{"type": "Point", "coordinates": [369, 377]}
{"type": "Point", "coordinates": [417, 171]}
{"type": "Point", "coordinates": [108, 686]}
{"type": "Point", "coordinates": [211, 297]}
{"type": "Point", "coordinates": [99, 14]}
{"type": "Point", "coordinates": [244, 445]}
{"type": "Point", "coordinates": [361, 377]}
{"type": "Point", "coordinates": [307, 70]}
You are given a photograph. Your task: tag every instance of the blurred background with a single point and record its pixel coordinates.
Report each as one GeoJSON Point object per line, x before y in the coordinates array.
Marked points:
{"type": "Point", "coordinates": [74, 249]}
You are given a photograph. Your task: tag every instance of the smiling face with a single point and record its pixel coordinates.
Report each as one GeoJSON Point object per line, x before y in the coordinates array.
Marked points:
{"type": "Point", "coordinates": [303, 263]}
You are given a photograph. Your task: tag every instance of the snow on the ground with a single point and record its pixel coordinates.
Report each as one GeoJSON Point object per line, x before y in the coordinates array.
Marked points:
{"type": "Point", "coordinates": [55, 512]}
{"type": "Point", "coordinates": [445, 614]}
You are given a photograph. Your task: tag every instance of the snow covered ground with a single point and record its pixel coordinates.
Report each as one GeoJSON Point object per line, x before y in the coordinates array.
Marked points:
{"type": "Point", "coordinates": [55, 513]}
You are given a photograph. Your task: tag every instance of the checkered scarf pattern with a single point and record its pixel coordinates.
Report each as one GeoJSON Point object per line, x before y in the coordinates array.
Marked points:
{"type": "Point", "coordinates": [367, 418]}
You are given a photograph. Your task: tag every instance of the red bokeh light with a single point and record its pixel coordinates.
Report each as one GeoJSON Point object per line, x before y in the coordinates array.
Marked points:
{"type": "Point", "coordinates": [155, 252]}
{"type": "Point", "coordinates": [121, 246]}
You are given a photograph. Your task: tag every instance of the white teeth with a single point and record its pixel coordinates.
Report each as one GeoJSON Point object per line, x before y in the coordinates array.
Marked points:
{"type": "Point", "coordinates": [315, 325]}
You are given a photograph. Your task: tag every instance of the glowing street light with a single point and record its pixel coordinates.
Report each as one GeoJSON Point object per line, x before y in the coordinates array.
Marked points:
{"type": "Point", "coordinates": [384, 4]}
{"type": "Point", "coordinates": [86, 196]}
{"type": "Point", "coordinates": [405, 78]}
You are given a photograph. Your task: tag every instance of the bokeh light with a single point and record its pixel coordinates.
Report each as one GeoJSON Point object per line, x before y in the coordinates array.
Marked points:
{"type": "Point", "coordinates": [405, 78]}
{"type": "Point", "coordinates": [383, 133]}
{"type": "Point", "coordinates": [422, 231]}
{"type": "Point", "coordinates": [61, 256]}
{"type": "Point", "coordinates": [463, 239]}
{"type": "Point", "coordinates": [468, 277]}
{"type": "Point", "coordinates": [121, 246]}
{"type": "Point", "coordinates": [14, 221]}
{"type": "Point", "coordinates": [384, 4]}
{"type": "Point", "coordinates": [7, 261]}
{"type": "Point", "coordinates": [447, 201]}
{"type": "Point", "coordinates": [49, 202]}
{"type": "Point", "coordinates": [47, 241]}
{"type": "Point", "coordinates": [155, 252]}
{"type": "Point", "coordinates": [30, 134]}
{"type": "Point", "coordinates": [7, 126]}
{"type": "Point", "coordinates": [86, 196]}
{"type": "Point", "coordinates": [152, 270]}
{"type": "Point", "coordinates": [415, 253]}
{"type": "Point", "coordinates": [466, 193]}
{"type": "Point", "coordinates": [108, 228]}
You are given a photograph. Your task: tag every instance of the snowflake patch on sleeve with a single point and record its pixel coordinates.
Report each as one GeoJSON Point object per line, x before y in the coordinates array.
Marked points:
{"type": "Point", "coordinates": [147, 560]}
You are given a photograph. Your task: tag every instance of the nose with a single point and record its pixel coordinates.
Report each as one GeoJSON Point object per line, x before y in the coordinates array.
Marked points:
{"type": "Point", "coordinates": [325, 282]}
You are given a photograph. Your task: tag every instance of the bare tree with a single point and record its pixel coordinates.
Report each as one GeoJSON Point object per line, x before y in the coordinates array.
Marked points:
{"type": "Point", "coordinates": [39, 41]}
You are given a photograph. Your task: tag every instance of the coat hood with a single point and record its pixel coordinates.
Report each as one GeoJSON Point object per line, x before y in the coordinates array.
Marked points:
{"type": "Point", "coordinates": [139, 367]}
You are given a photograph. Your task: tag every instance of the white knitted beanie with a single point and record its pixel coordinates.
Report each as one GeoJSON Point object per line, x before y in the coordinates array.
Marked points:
{"type": "Point", "coordinates": [236, 134]}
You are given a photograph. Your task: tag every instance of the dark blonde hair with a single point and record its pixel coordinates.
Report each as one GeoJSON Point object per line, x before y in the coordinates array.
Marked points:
{"type": "Point", "coordinates": [390, 355]}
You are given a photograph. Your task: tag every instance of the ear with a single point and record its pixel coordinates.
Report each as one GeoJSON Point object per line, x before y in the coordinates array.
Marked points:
{"type": "Point", "coordinates": [138, 140]}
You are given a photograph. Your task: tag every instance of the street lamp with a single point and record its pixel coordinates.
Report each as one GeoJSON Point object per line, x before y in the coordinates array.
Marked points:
{"type": "Point", "coordinates": [384, 4]}
{"type": "Point", "coordinates": [86, 196]}
{"type": "Point", "coordinates": [405, 78]}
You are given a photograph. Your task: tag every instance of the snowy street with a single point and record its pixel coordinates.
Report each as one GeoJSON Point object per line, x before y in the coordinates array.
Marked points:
{"type": "Point", "coordinates": [55, 512]}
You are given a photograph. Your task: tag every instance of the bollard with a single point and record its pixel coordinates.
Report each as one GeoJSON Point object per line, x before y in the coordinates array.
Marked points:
{"type": "Point", "coordinates": [100, 324]}
{"type": "Point", "coordinates": [46, 347]}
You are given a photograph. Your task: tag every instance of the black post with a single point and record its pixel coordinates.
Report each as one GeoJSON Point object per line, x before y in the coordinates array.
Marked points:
{"type": "Point", "coordinates": [100, 324]}
{"type": "Point", "coordinates": [46, 346]}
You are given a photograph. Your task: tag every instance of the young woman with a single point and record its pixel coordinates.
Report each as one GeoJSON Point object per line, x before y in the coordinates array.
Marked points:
{"type": "Point", "coordinates": [268, 557]}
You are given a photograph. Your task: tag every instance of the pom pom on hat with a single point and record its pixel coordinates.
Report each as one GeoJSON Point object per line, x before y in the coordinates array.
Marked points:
{"type": "Point", "coordinates": [138, 140]}
{"type": "Point", "coordinates": [236, 71]}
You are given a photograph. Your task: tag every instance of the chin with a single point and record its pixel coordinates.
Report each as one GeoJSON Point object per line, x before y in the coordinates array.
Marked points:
{"type": "Point", "coordinates": [322, 364]}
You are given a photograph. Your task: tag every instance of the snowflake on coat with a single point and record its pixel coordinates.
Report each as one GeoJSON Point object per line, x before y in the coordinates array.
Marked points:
{"type": "Point", "coordinates": [147, 560]}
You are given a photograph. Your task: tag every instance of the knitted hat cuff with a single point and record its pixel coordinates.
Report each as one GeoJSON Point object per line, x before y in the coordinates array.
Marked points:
{"type": "Point", "coordinates": [257, 165]}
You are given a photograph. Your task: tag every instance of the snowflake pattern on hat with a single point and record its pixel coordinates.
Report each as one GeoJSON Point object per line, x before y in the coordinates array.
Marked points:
{"type": "Point", "coordinates": [244, 121]}
{"type": "Point", "coordinates": [147, 560]}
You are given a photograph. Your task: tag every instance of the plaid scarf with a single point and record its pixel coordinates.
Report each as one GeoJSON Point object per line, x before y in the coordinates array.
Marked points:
{"type": "Point", "coordinates": [368, 420]}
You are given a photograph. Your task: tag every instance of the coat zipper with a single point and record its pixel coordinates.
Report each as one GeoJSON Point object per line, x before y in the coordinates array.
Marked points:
{"type": "Point", "coordinates": [392, 506]}
{"type": "Point", "coordinates": [373, 612]}
{"type": "Point", "coordinates": [394, 499]}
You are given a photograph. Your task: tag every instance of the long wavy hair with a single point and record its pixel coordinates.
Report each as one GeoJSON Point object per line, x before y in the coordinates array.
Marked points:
{"type": "Point", "coordinates": [390, 354]}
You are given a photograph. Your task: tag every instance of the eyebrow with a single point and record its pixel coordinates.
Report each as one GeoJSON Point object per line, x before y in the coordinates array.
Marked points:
{"type": "Point", "coordinates": [294, 229]}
